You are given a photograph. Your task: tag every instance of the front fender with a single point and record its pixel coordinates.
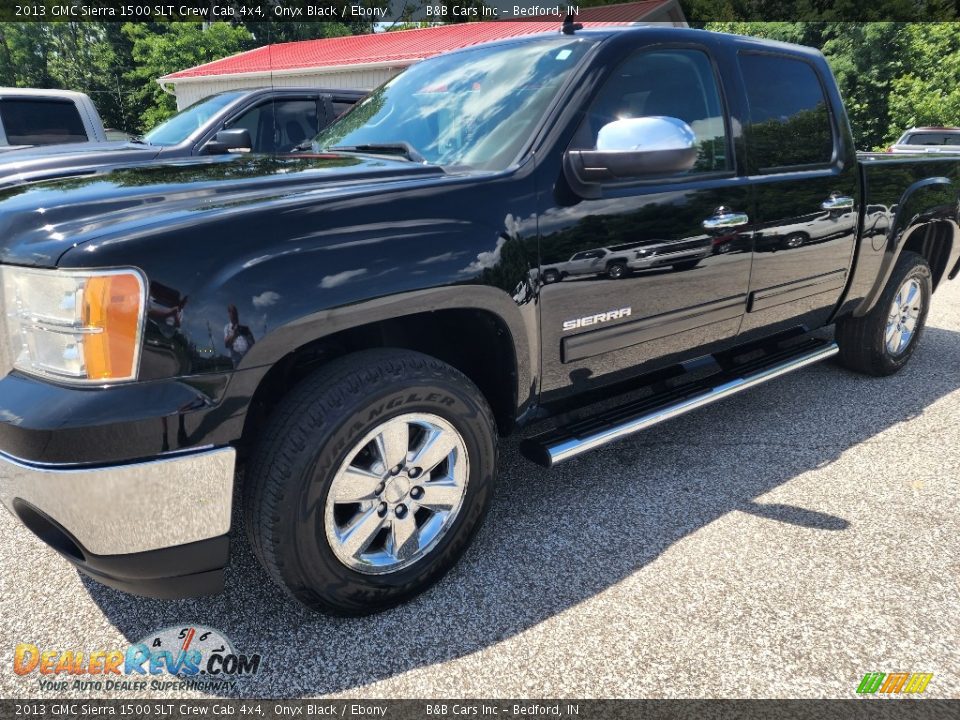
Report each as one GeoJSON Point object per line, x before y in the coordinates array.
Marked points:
{"type": "Point", "coordinates": [323, 324]}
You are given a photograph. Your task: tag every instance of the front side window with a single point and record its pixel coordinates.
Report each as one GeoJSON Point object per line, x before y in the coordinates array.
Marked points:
{"type": "Point", "coordinates": [474, 108]}
{"type": "Point", "coordinates": [41, 122]}
{"type": "Point", "coordinates": [279, 126]}
{"type": "Point", "coordinates": [588, 255]}
{"type": "Point", "coordinates": [789, 121]}
{"type": "Point", "coordinates": [672, 83]}
{"type": "Point", "coordinates": [182, 125]}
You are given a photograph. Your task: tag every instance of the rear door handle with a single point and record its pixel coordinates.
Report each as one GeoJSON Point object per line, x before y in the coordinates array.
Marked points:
{"type": "Point", "coordinates": [837, 202]}
{"type": "Point", "coordinates": [725, 218]}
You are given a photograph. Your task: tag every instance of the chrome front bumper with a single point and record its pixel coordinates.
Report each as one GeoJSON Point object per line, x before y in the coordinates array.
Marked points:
{"type": "Point", "coordinates": [132, 508]}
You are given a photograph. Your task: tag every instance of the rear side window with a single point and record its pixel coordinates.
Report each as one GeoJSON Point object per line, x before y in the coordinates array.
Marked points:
{"type": "Point", "coordinates": [789, 120]}
{"type": "Point", "coordinates": [41, 122]}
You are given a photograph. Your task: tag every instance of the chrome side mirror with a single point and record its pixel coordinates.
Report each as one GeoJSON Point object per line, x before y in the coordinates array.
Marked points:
{"type": "Point", "coordinates": [634, 148]}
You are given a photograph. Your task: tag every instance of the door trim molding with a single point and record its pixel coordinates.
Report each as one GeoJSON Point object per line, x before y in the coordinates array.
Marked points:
{"type": "Point", "coordinates": [624, 335]}
{"type": "Point", "coordinates": [796, 290]}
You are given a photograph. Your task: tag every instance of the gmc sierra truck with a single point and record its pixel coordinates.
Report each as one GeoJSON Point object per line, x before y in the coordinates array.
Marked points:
{"type": "Point", "coordinates": [357, 325]}
{"type": "Point", "coordinates": [258, 120]}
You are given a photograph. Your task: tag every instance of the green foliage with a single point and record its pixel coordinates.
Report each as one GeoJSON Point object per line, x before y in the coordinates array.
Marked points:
{"type": "Point", "coordinates": [928, 92]}
{"type": "Point", "coordinates": [816, 11]}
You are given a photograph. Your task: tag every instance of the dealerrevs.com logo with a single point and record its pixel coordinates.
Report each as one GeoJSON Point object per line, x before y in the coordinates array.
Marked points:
{"type": "Point", "coordinates": [175, 658]}
{"type": "Point", "coordinates": [898, 683]}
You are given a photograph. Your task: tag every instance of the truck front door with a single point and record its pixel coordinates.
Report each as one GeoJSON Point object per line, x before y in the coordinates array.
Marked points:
{"type": "Point", "coordinates": [677, 286]}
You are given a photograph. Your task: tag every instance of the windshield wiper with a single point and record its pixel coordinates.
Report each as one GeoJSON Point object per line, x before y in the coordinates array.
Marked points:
{"type": "Point", "coordinates": [138, 140]}
{"type": "Point", "coordinates": [404, 149]}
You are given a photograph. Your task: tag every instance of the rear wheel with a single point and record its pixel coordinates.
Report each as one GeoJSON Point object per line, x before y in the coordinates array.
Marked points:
{"type": "Point", "coordinates": [882, 341]}
{"type": "Point", "coordinates": [371, 480]}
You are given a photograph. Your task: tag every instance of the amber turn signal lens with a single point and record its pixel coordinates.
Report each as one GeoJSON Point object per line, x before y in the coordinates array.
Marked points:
{"type": "Point", "coordinates": [112, 311]}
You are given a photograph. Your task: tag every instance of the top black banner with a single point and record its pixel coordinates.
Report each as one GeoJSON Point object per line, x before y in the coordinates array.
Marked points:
{"type": "Point", "coordinates": [391, 12]}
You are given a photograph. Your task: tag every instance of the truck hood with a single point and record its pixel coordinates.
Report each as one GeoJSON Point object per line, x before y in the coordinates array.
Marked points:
{"type": "Point", "coordinates": [53, 161]}
{"type": "Point", "coordinates": [41, 221]}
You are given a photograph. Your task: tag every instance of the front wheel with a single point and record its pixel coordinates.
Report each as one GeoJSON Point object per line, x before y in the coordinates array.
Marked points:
{"type": "Point", "coordinates": [882, 341]}
{"type": "Point", "coordinates": [371, 480]}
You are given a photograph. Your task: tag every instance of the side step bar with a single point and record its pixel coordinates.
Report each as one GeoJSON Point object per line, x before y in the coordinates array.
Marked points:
{"type": "Point", "coordinates": [564, 443]}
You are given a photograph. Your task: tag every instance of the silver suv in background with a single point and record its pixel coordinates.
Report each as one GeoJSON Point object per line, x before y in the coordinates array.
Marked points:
{"type": "Point", "coordinates": [928, 140]}
{"type": "Point", "coordinates": [30, 117]}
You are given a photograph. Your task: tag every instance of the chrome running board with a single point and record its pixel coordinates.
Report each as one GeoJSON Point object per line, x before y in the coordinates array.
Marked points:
{"type": "Point", "coordinates": [566, 442]}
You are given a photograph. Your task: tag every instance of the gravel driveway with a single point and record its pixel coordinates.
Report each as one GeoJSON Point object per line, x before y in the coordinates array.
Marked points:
{"type": "Point", "coordinates": [779, 544]}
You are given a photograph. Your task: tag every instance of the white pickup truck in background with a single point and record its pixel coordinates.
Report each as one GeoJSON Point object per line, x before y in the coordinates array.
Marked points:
{"type": "Point", "coordinates": [47, 117]}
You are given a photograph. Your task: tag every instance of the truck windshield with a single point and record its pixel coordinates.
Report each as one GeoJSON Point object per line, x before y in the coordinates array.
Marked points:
{"type": "Point", "coordinates": [186, 122]}
{"type": "Point", "coordinates": [474, 108]}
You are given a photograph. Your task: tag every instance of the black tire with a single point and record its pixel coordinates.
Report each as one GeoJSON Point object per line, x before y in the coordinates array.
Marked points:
{"type": "Point", "coordinates": [616, 270]}
{"type": "Point", "coordinates": [551, 276]}
{"type": "Point", "coordinates": [862, 340]}
{"type": "Point", "coordinates": [308, 438]}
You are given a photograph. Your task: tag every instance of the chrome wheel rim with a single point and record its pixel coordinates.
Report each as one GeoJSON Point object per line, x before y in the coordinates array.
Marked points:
{"type": "Point", "coordinates": [903, 317]}
{"type": "Point", "coordinates": [397, 494]}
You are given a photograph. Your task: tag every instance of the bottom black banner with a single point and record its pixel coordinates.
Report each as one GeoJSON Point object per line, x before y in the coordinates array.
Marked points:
{"type": "Point", "coordinates": [470, 709]}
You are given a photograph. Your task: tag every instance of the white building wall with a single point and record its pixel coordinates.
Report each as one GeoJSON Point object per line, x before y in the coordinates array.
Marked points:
{"type": "Point", "coordinates": [190, 91]}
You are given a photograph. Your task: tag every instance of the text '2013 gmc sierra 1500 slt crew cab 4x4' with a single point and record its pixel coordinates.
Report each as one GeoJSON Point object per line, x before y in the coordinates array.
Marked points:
{"type": "Point", "coordinates": [357, 326]}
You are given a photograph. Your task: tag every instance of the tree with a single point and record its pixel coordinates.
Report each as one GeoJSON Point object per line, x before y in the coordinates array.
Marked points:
{"type": "Point", "coordinates": [162, 48]}
{"type": "Point", "coordinates": [927, 92]}
{"type": "Point", "coordinates": [24, 54]}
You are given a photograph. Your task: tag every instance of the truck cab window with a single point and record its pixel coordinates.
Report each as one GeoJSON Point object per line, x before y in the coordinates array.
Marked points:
{"type": "Point", "coordinates": [41, 122]}
{"type": "Point", "coordinates": [672, 83]}
{"type": "Point", "coordinates": [789, 121]}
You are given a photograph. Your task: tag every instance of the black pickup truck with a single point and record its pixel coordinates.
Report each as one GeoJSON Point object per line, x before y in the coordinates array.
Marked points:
{"type": "Point", "coordinates": [357, 326]}
{"type": "Point", "coordinates": [258, 120]}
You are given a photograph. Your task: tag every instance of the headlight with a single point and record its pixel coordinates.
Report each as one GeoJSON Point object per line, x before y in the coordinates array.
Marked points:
{"type": "Point", "coordinates": [81, 326]}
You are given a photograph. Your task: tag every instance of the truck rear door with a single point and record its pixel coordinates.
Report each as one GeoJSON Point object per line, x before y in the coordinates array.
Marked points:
{"type": "Point", "coordinates": [803, 177]}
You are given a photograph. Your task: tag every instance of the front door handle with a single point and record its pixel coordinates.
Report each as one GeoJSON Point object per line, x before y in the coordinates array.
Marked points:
{"type": "Point", "coordinates": [724, 217]}
{"type": "Point", "coordinates": [837, 202]}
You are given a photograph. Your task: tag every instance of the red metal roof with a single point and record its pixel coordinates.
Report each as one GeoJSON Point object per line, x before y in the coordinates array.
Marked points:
{"type": "Point", "coordinates": [402, 46]}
